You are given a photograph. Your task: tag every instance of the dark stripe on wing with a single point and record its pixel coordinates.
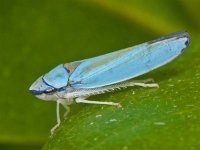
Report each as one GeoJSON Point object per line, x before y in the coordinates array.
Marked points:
{"type": "Point", "coordinates": [172, 35]}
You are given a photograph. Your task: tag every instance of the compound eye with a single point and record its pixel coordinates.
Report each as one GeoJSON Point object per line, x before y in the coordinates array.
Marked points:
{"type": "Point", "coordinates": [49, 91]}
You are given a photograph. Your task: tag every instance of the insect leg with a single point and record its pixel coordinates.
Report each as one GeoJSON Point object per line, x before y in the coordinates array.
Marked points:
{"type": "Point", "coordinates": [86, 93]}
{"type": "Point", "coordinates": [65, 103]}
{"type": "Point", "coordinates": [142, 83]}
{"type": "Point", "coordinates": [145, 85]}
{"type": "Point", "coordinates": [58, 117]}
{"type": "Point", "coordinates": [82, 100]}
{"type": "Point", "coordinates": [67, 108]}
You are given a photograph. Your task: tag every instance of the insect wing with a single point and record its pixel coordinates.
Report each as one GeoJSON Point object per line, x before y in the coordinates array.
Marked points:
{"type": "Point", "coordinates": [128, 63]}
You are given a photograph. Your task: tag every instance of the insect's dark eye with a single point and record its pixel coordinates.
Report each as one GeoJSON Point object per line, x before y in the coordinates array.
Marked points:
{"type": "Point", "coordinates": [49, 91]}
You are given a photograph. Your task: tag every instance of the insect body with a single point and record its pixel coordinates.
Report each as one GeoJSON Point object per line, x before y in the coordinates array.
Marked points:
{"type": "Point", "coordinates": [78, 80]}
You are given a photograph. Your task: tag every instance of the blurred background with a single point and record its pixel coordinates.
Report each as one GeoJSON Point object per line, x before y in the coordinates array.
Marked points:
{"type": "Point", "coordinates": [37, 35]}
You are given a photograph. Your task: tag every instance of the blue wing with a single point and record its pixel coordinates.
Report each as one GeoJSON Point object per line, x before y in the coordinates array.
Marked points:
{"type": "Point", "coordinates": [128, 63]}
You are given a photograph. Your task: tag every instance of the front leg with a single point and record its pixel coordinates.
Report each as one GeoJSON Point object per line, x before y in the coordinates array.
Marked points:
{"type": "Point", "coordinates": [82, 100]}
{"type": "Point", "coordinates": [57, 116]}
{"type": "Point", "coordinates": [65, 104]}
